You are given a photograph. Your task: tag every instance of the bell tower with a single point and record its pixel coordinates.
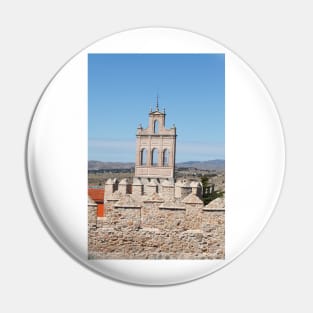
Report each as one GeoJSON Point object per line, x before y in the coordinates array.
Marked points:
{"type": "Point", "coordinates": [155, 147]}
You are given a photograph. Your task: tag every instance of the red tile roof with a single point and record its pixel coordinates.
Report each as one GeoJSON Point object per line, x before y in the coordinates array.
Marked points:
{"type": "Point", "coordinates": [96, 195]}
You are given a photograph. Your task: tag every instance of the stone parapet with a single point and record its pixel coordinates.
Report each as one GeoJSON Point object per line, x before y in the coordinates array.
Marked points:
{"type": "Point", "coordinates": [157, 219]}
{"type": "Point", "coordinates": [151, 188]}
{"type": "Point", "coordinates": [123, 186]}
{"type": "Point", "coordinates": [110, 187]}
{"type": "Point", "coordinates": [92, 213]}
{"type": "Point", "coordinates": [182, 189]}
{"type": "Point", "coordinates": [196, 188]}
{"type": "Point", "coordinates": [168, 190]}
{"type": "Point", "coordinates": [137, 187]}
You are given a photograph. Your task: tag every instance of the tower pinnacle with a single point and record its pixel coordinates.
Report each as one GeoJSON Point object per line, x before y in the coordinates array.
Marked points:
{"type": "Point", "coordinates": [157, 103]}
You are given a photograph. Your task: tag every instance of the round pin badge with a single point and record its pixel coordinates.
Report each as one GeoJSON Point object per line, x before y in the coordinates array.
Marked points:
{"type": "Point", "coordinates": [155, 156]}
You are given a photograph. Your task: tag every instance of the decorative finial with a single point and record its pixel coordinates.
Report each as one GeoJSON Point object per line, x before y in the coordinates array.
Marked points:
{"type": "Point", "coordinates": [164, 110]}
{"type": "Point", "coordinates": [150, 110]}
{"type": "Point", "coordinates": [157, 104]}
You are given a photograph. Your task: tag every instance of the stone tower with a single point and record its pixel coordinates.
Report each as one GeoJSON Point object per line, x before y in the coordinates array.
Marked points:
{"type": "Point", "coordinates": [155, 147]}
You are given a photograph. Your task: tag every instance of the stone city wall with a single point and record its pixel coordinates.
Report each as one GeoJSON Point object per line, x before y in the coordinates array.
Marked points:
{"type": "Point", "coordinates": [156, 226]}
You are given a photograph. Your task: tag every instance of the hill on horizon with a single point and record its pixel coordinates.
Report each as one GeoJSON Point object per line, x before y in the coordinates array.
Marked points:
{"type": "Point", "coordinates": [217, 164]}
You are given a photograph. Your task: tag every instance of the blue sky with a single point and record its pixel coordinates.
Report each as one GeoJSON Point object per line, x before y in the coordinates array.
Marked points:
{"type": "Point", "coordinates": [123, 87]}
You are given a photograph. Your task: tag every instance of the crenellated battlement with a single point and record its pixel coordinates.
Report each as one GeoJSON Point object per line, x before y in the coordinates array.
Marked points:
{"type": "Point", "coordinates": [140, 188]}
{"type": "Point", "coordinates": [156, 218]}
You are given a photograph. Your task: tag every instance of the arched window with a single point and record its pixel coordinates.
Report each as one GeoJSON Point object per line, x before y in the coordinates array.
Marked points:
{"type": "Point", "coordinates": [143, 156]}
{"type": "Point", "coordinates": [156, 127]}
{"type": "Point", "coordinates": [154, 159]}
{"type": "Point", "coordinates": [165, 157]}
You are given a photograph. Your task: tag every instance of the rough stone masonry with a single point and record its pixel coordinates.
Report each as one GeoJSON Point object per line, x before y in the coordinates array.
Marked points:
{"type": "Point", "coordinates": [158, 220]}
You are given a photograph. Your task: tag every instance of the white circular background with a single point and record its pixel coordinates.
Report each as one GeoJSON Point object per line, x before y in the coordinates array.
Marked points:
{"type": "Point", "coordinates": [57, 156]}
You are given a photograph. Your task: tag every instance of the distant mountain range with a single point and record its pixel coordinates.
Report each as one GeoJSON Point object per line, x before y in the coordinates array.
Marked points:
{"type": "Point", "coordinates": [204, 165]}
{"type": "Point", "coordinates": [99, 165]}
{"type": "Point", "coordinates": [201, 165]}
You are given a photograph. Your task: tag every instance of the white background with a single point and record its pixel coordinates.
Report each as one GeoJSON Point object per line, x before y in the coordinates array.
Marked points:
{"type": "Point", "coordinates": [274, 38]}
